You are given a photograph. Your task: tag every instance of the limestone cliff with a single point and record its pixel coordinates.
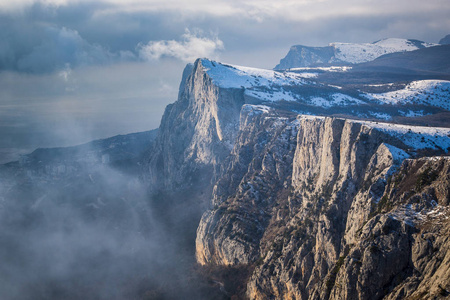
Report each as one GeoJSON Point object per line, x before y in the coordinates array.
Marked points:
{"type": "Point", "coordinates": [196, 133]}
{"type": "Point", "coordinates": [313, 207]}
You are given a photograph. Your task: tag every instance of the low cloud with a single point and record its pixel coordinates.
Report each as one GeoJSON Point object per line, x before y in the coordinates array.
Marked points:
{"type": "Point", "coordinates": [192, 46]}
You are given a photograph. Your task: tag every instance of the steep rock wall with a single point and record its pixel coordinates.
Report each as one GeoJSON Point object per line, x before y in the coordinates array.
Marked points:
{"type": "Point", "coordinates": [196, 134]}
{"type": "Point", "coordinates": [298, 197]}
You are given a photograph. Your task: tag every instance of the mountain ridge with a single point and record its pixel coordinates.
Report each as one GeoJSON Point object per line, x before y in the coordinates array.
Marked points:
{"type": "Point", "coordinates": [346, 53]}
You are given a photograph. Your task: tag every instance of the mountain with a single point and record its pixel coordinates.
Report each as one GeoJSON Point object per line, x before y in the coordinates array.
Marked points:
{"type": "Point", "coordinates": [309, 207]}
{"type": "Point", "coordinates": [345, 53]}
{"type": "Point", "coordinates": [445, 40]}
{"type": "Point", "coordinates": [258, 184]}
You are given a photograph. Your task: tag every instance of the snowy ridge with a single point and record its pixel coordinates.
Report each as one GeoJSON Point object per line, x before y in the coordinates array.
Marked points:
{"type": "Point", "coordinates": [359, 53]}
{"type": "Point", "coordinates": [427, 92]}
{"type": "Point", "coordinates": [416, 137]}
{"type": "Point", "coordinates": [232, 76]}
{"type": "Point", "coordinates": [269, 86]}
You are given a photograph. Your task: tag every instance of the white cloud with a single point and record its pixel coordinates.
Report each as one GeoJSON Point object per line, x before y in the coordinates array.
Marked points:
{"type": "Point", "coordinates": [191, 47]}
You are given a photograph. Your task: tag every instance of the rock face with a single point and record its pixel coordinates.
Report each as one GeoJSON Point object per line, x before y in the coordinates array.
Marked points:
{"type": "Point", "coordinates": [314, 207]}
{"type": "Point", "coordinates": [196, 133]}
{"type": "Point", "coordinates": [303, 56]}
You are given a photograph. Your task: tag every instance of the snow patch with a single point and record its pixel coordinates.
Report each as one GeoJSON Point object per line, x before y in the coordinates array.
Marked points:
{"type": "Point", "coordinates": [416, 137]}
{"type": "Point", "coordinates": [336, 99]}
{"type": "Point", "coordinates": [382, 116]}
{"type": "Point", "coordinates": [398, 154]}
{"type": "Point", "coordinates": [426, 92]}
{"type": "Point", "coordinates": [252, 110]}
{"type": "Point", "coordinates": [323, 69]}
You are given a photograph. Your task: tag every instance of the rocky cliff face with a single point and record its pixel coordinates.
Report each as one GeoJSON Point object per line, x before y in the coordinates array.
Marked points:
{"type": "Point", "coordinates": [196, 133]}
{"type": "Point", "coordinates": [313, 207]}
{"type": "Point", "coordinates": [315, 211]}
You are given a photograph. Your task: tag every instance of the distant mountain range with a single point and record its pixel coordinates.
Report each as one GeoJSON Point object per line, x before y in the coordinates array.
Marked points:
{"type": "Point", "coordinates": [346, 53]}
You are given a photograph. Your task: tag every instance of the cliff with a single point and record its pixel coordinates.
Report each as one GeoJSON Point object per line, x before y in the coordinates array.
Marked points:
{"type": "Point", "coordinates": [313, 207]}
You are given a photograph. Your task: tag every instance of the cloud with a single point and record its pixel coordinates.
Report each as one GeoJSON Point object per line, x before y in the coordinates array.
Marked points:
{"type": "Point", "coordinates": [62, 47]}
{"type": "Point", "coordinates": [191, 47]}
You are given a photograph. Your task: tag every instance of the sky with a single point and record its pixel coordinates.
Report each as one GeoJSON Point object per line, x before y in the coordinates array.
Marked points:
{"type": "Point", "coordinates": [76, 70]}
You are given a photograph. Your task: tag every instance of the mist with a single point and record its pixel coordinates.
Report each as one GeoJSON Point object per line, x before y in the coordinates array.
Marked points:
{"type": "Point", "coordinates": [71, 107]}
{"type": "Point", "coordinates": [74, 225]}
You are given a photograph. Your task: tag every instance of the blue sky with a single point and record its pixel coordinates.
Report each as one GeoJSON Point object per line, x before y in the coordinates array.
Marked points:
{"type": "Point", "coordinates": [72, 71]}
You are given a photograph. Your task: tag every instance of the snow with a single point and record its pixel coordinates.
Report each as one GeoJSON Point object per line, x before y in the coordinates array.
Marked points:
{"type": "Point", "coordinates": [232, 76]}
{"type": "Point", "coordinates": [274, 94]}
{"type": "Point", "coordinates": [273, 86]}
{"type": "Point", "coordinates": [416, 137]}
{"type": "Point", "coordinates": [336, 99]}
{"type": "Point", "coordinates": [411, 113]}
{"type": "Point", "coordinates": [408, 214]}
{"type": "Point", "coordinates": [382, 116]}
{"type": "Point", "coordinates": [359, 53]}
{"type": "Point", "coordinates": [341, 100]}
{"type": "Point", "coordinates": [308, 75]}
{"type": "Point", "coordinates": [319, 101]}
{"type": "Point", "coordinates": [324, 69]}
{"type": "Point", "coordinates": [256, 109]}
{"type": "Point", "coordinates": [310, 117]}
{"type": "Point", "coordinates": [427, 92]}
{"type": "Point", "coordinates": [269, 85]}
{"type": "Point", "coordinates": [397, 154]}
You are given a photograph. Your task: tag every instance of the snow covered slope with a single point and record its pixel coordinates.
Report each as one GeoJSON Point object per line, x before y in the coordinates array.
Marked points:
{"type": "Point", "coordinates": [346, 53]}
{"type": "Point", "coordinates": [273, 86]}
{"type": "Point", "coordinates": [426, 92]}
{"type": "Point", "coordinates": [232, 76]}
{"type": "Point", "coordinates": [359, 53]}
{"type": "Point", "coordinates": [308, 96]}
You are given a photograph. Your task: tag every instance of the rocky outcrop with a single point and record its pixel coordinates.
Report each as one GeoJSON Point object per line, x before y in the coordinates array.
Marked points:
{"type": "Point", "coordinates": [402, 252]}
